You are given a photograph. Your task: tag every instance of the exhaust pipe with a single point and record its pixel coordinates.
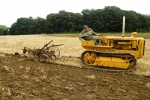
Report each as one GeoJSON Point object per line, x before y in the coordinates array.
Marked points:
{"type": "Point", "coordinates": [123, 26]}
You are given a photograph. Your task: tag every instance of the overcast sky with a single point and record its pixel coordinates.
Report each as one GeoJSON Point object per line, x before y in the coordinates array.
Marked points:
{"type": "Point", "coordinates": [11, 10]}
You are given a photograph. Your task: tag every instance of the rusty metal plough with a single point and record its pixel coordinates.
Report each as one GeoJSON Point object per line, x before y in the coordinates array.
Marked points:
{"type": "Point", "coordinates": [50, 54]}
{"type": "Point", "coordinates": [46, 54]}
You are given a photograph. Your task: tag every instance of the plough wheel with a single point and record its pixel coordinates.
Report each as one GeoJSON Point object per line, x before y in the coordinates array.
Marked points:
{"type": "Point", "coordinates": [55, 50]}
{"type": "Point", "coordinates": [44, 58]}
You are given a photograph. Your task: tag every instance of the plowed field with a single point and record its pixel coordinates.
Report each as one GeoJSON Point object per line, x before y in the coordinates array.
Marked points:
{"type": "Point", "coordinates": [24, 79]}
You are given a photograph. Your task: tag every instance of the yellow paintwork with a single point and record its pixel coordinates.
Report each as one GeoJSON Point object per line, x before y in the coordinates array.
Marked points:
{"type": "Point", "coordinates": [89, 43]}
{"type": "Point", "coordinates": [90, 58]}
{"type": "Point", "coordinates": [111, 62]}
{"type": "Point", "coordinates": [134, 45]}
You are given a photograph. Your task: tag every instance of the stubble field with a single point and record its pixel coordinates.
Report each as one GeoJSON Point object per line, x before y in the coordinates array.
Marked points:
{"type": "Point", "coordinates": [23, 79]}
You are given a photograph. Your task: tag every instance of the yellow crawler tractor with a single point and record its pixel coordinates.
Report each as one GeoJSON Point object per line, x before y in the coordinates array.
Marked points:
{"type": "Point", "coordinates": [118, 52]}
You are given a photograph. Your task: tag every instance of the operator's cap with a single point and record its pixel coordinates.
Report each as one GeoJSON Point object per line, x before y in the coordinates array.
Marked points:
{"type": "Point", "coordinates": [85, 26]}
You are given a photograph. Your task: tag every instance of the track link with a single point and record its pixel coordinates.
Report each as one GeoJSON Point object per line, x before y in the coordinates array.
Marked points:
{"type": "Point", "coordinates": [79, 63]}
{"type": "Point", "coordinates": [111, 54]}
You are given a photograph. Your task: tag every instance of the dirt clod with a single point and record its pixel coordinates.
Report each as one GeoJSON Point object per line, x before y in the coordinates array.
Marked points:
{"type": "Point", "coordinates": [25, 80]}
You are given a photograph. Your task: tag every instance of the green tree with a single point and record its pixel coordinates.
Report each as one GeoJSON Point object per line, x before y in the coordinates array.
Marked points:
{"type": "Point", "coordinates": [108, 19]}
{"type": "Point", "coordinates": [131, 21]}
{"type": "Point", "coordinates": [112, 17]}
{"type": "Point", "coordinates": [144, 24]}
{"type": "Point", "coordinates": [63, 22]}
{"type": "Point", "coordinates": [21, 26]}
{"type": "Point", "coordinates": [3, 30]}
{"type": "Point", "coordinates": [39, 25]}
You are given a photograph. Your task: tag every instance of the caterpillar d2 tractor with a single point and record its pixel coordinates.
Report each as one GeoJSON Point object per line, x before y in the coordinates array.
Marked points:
{"type": "Point", "coordinates": [112, 51]}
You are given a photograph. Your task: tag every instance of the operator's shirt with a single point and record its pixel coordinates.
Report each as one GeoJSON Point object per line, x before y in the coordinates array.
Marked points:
{"type": "Point", "coordinates": [87, 35]}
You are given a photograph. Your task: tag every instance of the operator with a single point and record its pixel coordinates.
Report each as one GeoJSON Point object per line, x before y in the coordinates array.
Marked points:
{"type": "Point", "coordinates": [87, 35]}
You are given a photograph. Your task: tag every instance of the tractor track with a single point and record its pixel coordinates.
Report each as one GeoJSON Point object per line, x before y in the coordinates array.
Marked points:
{"type": "Point", "coordinates": [76, 62]}
{"type": "Point", "coordinates": [119, 54]}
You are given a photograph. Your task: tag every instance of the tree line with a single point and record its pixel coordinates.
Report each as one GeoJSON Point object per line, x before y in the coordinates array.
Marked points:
{"type": "Point", "coordinates": [108, 19]}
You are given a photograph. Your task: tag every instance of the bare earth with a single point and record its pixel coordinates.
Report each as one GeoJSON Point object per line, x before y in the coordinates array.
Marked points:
{"type": "Point", "coordinates": [23, 79]}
